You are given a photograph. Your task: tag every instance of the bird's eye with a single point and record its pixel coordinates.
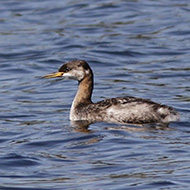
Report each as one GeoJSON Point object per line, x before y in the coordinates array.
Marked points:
{"type": "Point", "coordinates": [67, 69]}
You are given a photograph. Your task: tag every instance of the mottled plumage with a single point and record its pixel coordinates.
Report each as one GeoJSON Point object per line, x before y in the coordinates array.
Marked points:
{"type": "Point", "coordinates": [126, 110]}
{"type": "Point", "coordinates": [118, 110]}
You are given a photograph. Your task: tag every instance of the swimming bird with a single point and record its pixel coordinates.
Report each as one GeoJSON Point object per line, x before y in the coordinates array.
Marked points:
{"type": "Point", "coordinates": [126, 109]}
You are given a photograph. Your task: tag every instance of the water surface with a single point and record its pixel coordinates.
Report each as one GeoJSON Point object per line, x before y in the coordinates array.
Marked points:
{"type": "Point", "coordinates": [138, 48]}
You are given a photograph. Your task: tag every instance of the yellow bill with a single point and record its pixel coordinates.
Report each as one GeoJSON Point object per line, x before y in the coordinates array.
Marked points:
{"type": "Point", "coordinates": [53, 75]}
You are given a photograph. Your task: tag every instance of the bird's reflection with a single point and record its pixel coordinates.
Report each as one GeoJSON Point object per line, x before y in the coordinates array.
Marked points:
{"type": "Point", "coordinates": [83, 126]}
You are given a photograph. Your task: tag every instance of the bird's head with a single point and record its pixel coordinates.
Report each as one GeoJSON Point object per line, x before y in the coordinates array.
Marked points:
{"type": "Point", "coordinates": [76, 70]}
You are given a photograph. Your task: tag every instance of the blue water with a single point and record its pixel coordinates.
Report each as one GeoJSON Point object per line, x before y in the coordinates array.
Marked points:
{"type": "Point", "coordinates": [139, 48]}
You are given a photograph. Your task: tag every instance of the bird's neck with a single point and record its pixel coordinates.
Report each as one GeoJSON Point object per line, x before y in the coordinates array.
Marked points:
{"type": "Point", "coordinates": [83, 95]}
{"type": "Point", "coordinates": [85, 89]}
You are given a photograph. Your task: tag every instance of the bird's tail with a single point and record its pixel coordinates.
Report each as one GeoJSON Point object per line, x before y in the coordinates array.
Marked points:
{"type": "Point", "coordinates": [168, 114]}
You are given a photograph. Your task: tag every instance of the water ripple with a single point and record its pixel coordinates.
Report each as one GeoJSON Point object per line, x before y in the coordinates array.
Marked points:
{"type": "Point", "coordinates": [138, 48]}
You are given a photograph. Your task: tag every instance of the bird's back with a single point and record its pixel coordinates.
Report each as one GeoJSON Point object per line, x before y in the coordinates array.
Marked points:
{"type": "Point", "coordinates": [128, 110]}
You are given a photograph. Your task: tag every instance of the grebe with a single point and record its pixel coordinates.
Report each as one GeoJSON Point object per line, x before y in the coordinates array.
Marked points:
{"type": "Point", "coordinates": [115, 110]}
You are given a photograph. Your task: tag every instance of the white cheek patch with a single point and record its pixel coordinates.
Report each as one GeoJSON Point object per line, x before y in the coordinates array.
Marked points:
{"type": "Point", "coordinates": [69, 76]}
{"type": "Point", "coordinates": [79, 74]}
{"type": "Point", "coordinates": [76, 75]}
